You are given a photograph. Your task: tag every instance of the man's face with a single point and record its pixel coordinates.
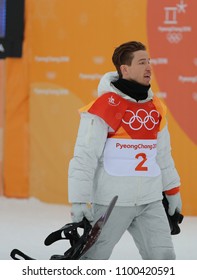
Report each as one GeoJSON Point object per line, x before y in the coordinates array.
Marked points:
{"type": "Point", "coordinates": [139, 70]}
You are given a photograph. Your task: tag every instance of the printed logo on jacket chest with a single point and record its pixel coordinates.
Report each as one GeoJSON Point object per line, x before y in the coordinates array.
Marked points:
{"type": "Point", "coordinates": [143, 122]}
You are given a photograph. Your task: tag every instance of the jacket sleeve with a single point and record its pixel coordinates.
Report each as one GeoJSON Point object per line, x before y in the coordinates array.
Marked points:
{"type": "Point", "coordinates": [91, 138]}
{"type": "Point", "coordinates": [170, 176]}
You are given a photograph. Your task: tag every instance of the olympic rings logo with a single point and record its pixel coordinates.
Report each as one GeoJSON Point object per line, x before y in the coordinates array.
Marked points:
{"type": "Point", "coordinates": [142, 118]}
{"type": "Point", "coordinates": [174, 37]}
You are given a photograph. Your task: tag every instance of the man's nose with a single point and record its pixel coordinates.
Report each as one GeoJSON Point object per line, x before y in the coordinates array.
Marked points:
{"type": "Point", "coordinates": [148, 67]}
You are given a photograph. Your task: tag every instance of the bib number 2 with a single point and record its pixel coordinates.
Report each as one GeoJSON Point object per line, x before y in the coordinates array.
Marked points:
{"type": "Point", "coordinates": [141, 165]}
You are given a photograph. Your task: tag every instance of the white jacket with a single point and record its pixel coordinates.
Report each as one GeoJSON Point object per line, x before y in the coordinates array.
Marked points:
{"type": "Point", "coordinates": [88, 180]}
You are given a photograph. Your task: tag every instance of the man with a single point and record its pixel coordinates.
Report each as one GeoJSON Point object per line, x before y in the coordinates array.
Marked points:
{"type": "Point", "coordinates": [123, 148]}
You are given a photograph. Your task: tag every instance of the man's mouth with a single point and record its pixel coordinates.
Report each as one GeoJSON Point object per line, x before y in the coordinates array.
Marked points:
{"type": "Point", "coordinates": [147, 77]}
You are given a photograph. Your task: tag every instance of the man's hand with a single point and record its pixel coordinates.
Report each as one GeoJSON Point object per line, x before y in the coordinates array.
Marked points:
{"type": "Point", "coordinates": [175, 203]}
{"type": "Point", "coordinates": [81, 210]}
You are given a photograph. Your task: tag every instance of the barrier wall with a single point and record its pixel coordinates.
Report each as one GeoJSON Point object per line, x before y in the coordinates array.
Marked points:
{"type": "Point", "coordinates": [67, 49]}
{"type": "Point", "coordinates": [2, 71]}
{"type": "Point", "coordinates": [16, 131]}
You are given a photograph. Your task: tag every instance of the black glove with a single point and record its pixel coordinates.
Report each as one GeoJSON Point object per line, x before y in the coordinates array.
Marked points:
{"type": "Point", "coordinates": [174, 220]}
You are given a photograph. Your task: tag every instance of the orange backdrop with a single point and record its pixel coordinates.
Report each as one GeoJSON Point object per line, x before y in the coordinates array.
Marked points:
{"type": "Point", "coordinates": [67, 49]}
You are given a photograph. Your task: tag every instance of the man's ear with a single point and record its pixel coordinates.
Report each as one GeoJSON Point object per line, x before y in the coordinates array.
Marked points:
{"type": "Point", "coordinates": [124, 69]}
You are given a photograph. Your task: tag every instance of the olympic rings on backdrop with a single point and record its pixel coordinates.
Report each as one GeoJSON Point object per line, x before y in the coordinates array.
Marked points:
{"type": "Point", "coordinates": [174, 38]}
{"type": "Point", "coordinates": [142, 120]}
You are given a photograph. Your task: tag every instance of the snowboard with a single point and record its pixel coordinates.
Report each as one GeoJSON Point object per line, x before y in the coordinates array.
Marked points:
{"type": "Point", "coordinates": [92, 237]}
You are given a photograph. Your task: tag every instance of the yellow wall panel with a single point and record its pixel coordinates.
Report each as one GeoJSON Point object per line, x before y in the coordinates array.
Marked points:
{"type": "Point", "coordinates": [52, 136]}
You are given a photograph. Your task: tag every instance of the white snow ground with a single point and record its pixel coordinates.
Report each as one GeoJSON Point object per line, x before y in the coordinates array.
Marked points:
{"type": "Point", "coordinates": [25, 223]}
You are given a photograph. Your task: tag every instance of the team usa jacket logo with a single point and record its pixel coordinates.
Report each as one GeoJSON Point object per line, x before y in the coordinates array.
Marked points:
{"type": "Point", "coordinates": [131, 146]}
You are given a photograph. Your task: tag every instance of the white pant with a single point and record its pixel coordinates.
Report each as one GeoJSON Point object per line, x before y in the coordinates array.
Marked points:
{"type": "Point", "coordinates": [148, 226]}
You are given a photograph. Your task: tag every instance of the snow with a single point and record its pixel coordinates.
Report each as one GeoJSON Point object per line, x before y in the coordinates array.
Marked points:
{"type": "Point", "coordinates": [25, 223]}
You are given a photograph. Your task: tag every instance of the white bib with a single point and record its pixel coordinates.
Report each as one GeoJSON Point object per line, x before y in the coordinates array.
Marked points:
{"type": "Point", "coordinates": [131, 157]}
